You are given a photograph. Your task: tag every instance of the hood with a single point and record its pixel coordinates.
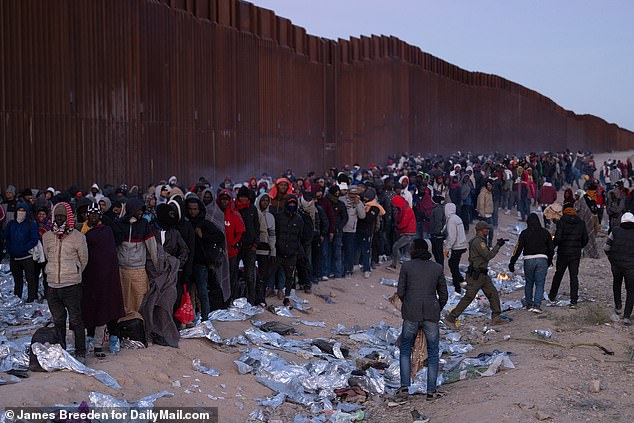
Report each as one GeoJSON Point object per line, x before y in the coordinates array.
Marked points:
{"type": "Point", "coordinates": [132, 206]}
{"type": "Point", "coordinates": [108, 202]}
{"type": "Point", "coordinates": [257, 201]}
{"type": "Point", "coordinates": [450, 210]}
{"type": "Point", "coordinates": [24, 205]}
{"type": "Point", "coordinates": [201, 206]}
{"type": "Point", "coordinates": [532, 222]}
{"type": "Point", "coordinates": [403, 178]}
{"type": "Point", "coordinates": [274, 192]}
{"type": "Point", "coordinates": [70, 218]}
{"type": "Point", "coordinates": [177, 206]}
{"type": "Point", "coordinates": [399, 202]}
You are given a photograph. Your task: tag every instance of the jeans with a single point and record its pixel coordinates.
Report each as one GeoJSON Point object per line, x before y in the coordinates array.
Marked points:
{"type": "Point", "coordinates": [563, 263]}
{"type": "Point", "coordinates": [524, 207]}
{"type": "Point", "coordinates": [535, 272]}
{"type": "Point", "coordinates": [201, 276]}
{"type": "Point", "coordinates": [68, 299]}
{"type": "Point", "coordinates": [496, 207]}
{"type": "Point", "coordinates": [403, 241]}
{"type": "Point", "coordinates": [363, 244]}
{"type": "Point", "coordinates": [19, 270]}
{"type": "Point", "coordinates": [454, 267]}
{"type": "Point", "coordinates": [348, 240]}
{"type": "Point", "coordinates": [408, 335]}
{"type": "Point", "coordinates": [618, 275]}
{"type": "Point", "coordinates": [326, 246]}
{"type": "Point", "coordinates": [336, 256]}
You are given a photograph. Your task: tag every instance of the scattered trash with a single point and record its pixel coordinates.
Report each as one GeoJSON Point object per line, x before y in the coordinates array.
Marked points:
{"type": "Point", "coordinates": [100, 400]}
{"type": "Point", "coordinates": [595, 386]}
{"type": "Point", "coordinates": [196, 364]}
{"type": "Point", "coordinates": [239, 310]}
{"type": "Point", "coordinates": [543, 333]}
{"type": "Point", "coordinates": [389, 282]}
{"type": "Point", "coordinates": [342, 330]}
{"type": "Point", "coordinates": [314, 324]}
{"type": "Point", "coordinates": [54, 357]}
{"type": "Point", "coordinates": [207, 330]}
{"type": "Point", "coordinates": [484, 365]}
{"type": "Point", "coordinates": [281, 311]}
{"type": "Point", "coordinates": [279, 328]}
{"type": "Point", "coordinates": [326, 298]}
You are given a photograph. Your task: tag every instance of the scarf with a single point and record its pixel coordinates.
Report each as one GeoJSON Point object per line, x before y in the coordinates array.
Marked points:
{"type": "Point", "coordinates": [67, 227]}
{"type": "Point", "coordinates": [374, 203]}
{"type": "Point", "coordinates": [243, 205]}
{"type": "Point", "coordinates": [310, 208]}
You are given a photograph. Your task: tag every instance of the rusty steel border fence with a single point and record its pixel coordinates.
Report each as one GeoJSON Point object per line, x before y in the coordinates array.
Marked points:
{"type": "Point", "coordinates": [138, 90]}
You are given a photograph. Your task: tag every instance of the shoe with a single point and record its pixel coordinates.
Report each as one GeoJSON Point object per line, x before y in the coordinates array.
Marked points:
{"type": "Point", "coordinates": [331, 276]}
{"type": "Point", "coordinates": [499, 321]}
{"type": "Point", "coordinates": [450, 322]}
{"type": "Point", "coordinates": [280, 294]}
{"type": "Point", "coordinates": [286, 302]}
{"type": "Point", "coordinates": [402, 393]}
{"type": "Point", "coordinates": [419, 418]}
{"type": "Point", "coordinates": [307, 290]}
{"type": "Point", "coordinates": [463, 284]}
{"type": "Point", "coordinates": [627, 322]}
{"type": "Point", "coordinates": [536, 309]}
{"type": "Point", "coordinates": [572, 306]}
{"type": "Point", "coordinates": [366, 275]}
{"type": "Point", "coordinates": [618, 310]}
{"type": "Point", "coordinates": [270, 292]}
{"type": "Point", "coordinates": [390, 268]}
{"type": "Point", "coordinates": [431, 396]}
{"type": "Point", "coordinates": [324, 278]}
{"type": "Point", "coordinates": [99, 353]}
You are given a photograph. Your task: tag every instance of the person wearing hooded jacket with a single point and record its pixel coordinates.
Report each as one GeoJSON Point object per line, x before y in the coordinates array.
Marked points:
{"type": "Point", "coordinates": [21, 235]}
{"type": "Point", "coordinates": [234, 229]}
{"type": "Point", "coordinates": [355, 210]}
{"type": "Point", "coordinates": [135, 242]}
{"type": "Point", "coordinates": [265, 252]}
{"type": "Point", "coordinates": [366, 228]}
{"type": "Point", "coordinates": [66, 250]}
{"type": "Point", "coordinates": [455, 245]}
{"type": "Point", "coordinates": [249, 241]}
{"type": "Point", "coordinates": [209, 245]}
{"type": "Point", "coordinates": [406, 224]}
{"type": "Point", "coordinates": [537, 246]}
{"type": "Point", "coordinates": [619, 247]}
{"type": "Point", "coordinates": [436, 224]}
{"type": "Point", "coordinates": [279, 193]}
{"type": "Point", "coordinates": [288, 233]}
{"type": "Point", "coordinates": [570, 238]}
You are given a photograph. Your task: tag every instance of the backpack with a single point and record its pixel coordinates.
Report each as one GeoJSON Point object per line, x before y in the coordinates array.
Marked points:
{"type": "Point", "coordinates": [133, 329]}
{"type": "Point", "coordinates": [43, 335]}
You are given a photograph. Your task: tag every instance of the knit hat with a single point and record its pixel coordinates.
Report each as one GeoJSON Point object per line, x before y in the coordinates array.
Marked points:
{"type": "Point", "coordinates": [438, 199]}
{"type": "Point", "coordinates": [11, 189]}
{"type": "Point", "coordinates": [68, 211]}
{"type": "Point", "coordinates": [421, 244]}
{"type": "Point", "coordinates": [243, 192]}
{"type": "Point", "coordinates": [94, 208]}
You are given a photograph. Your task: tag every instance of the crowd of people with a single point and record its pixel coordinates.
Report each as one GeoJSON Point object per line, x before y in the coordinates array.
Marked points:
{"type": "Point", "coordinates": [110, 255]}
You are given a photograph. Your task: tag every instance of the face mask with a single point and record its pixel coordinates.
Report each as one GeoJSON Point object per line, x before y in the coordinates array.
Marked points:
{"type": "Point", "coordinates": [292, 208]}
{"type": "Point", "coordinates": [20, 216]}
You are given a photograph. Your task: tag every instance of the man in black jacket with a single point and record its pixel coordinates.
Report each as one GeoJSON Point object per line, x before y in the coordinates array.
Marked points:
{"type": "Point", "coordinates": [537, 245]}
{"type": "Point", "coordinates": [209, 245]}
{"type": "Point", "coordinates": [423, 290]}
{"type": "Point", "coordinates": [249, 241]}
{"type": "Point", "coordinates": [288, 233]}
{"type": "Point", "coordinates": [620, 247]}
{"type": "Point", "coordinates": [570, 238]}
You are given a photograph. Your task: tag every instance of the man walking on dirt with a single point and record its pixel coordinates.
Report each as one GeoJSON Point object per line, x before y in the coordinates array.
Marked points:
{"type": "Point", "coordinates": [478, 278]}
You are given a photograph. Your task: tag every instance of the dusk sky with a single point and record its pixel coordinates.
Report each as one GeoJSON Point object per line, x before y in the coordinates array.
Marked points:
{"type": "Point", "coordinates": [580, 53]}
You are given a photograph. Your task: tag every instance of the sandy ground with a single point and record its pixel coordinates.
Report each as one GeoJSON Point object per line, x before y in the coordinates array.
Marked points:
{"type": "Point", "coordinates": [549, 382]}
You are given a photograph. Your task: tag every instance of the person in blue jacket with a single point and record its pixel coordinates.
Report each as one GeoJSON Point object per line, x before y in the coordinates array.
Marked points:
{"type": "Point", "coordinates": [21, 235]}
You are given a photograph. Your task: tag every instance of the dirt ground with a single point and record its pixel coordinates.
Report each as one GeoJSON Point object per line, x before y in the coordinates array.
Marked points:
{"type": "Point", "coordinates": [550, 383]}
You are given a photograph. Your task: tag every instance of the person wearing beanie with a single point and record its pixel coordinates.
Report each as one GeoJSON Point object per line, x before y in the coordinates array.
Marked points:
{"type": "Point", "coordinates": [249, 241]}
{"type": "Point", "coordinates": [66, 250]}
{"type": "Point", "coordinates": [422, 289]}
{"type": "Point", "coordinates": [570, 238]}
{"type": "Point", "coordinates": [619, 247]}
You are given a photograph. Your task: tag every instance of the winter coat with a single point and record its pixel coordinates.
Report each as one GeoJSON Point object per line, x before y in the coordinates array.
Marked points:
{"type": "Point", "coordinates": [422, 288]}
{"type": "Point", "coordinates": [266, 238]}
{"type": "Point", "coordinates": [341, 214]}
{"type": "Point", "coordinates": [620, 245]}
{"type": "Point", "coordinates": [570, 237]}
{"type": "Point", "coordinates": [485, 203]}
{"type": "Point", "coordinates": [405, 219]}
{"type": "Point", "coordinates": [212, 243]}
{"type": "Point", "coordinates": [66, 257]}
{"type": "Point", "coordinates": [234, 229]}
{"type": "Point", "coordinates": [251, 220]}
{"type": "Point", "coordinates": [135, 240]}
{"type": "Point", "coordinates": [534, 241]}
{"type": "Point", "coordinates": [288, 233]}
{"type": "Point", "coordinates": [456, 238]}
{"type": "Point", "coordinates": [367, 225]}
{"type": "Point", "coordinates": [355, 212]}
{"type": "Point", "coordinates": [547, 194]}
{"type": "Point", "coordinates": [21, 237]}
{"type": "Point", "coordinates": [173, 244]}
{"type": "Point", "coordinates": [326, 206]}
{"type": "Point", "coordinates": [437, 220]}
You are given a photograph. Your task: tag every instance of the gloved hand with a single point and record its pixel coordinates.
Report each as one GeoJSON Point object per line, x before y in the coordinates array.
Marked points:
{"type": "Point", "coordinates": [511, 267]}
{"type": "Point", "coordinates": [501, 242]}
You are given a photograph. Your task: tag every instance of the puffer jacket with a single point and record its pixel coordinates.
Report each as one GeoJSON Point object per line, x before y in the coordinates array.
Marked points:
{"type": "Point", "coordinates": [288, 232]}
{"type": "Point", "coordinates": [266, 238]}
{"type": "Point", "coordinates": [620, 245]}
{"type": "Point", "coordinates": [135, 240]}
{"type": "Point", "coordinates": [406, 221]}
{"type": "Point", "coordinates": [21, 237]}
{"type": "Point", "coordinates": [571, 236]}
{"type": "Point", "coordinates": [456, 237]}
{"type": "Point", "coordinates": [67, 258]}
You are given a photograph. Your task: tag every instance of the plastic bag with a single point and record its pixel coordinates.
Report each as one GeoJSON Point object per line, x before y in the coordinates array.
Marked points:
{"type": "Point", "coordinates": [185, 312]}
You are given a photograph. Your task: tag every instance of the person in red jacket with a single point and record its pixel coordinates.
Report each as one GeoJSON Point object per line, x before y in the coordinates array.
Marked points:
{"type": "Point", "coordinates": [234, 228]}
{"type": "Point", "coordinates": [547, 195]}
{"type": "Point", "coordinates": [406, 224]}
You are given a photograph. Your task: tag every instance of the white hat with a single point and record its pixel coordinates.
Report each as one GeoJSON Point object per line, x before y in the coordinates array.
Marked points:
{"type": "Point", "coordinates": [627, 218]}
{"type": "Point", "coordinates": [343, 186]}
